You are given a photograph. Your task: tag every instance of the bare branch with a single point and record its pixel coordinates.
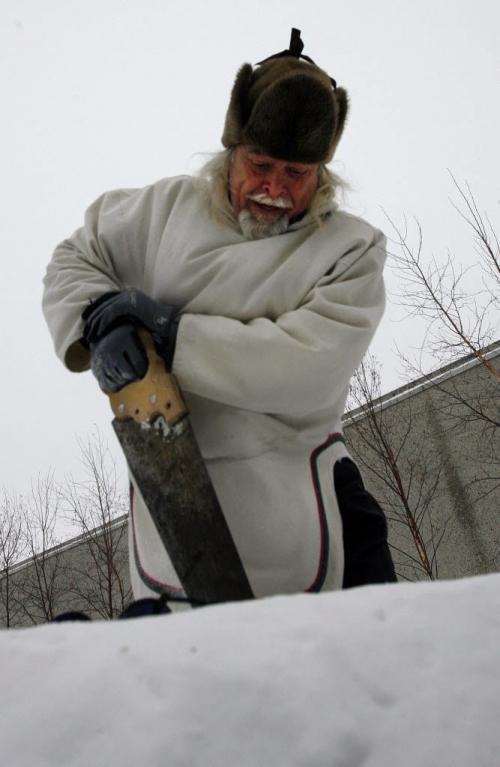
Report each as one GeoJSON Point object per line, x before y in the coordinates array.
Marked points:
{"type": "Point", "coordinates": [95, 506]}
{"type": "Point", "coordinates": [44, 584]}
{"type": "Point", "coordinates": [12, 550]}
{"type": "Point", "coordinates": [397, 462]}
{"type": "Point", "coordinates": [460, 319]}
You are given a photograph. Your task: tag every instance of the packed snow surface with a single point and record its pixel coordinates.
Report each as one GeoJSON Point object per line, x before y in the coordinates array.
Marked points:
{"type": "Point", "coordinates": [380, 676]}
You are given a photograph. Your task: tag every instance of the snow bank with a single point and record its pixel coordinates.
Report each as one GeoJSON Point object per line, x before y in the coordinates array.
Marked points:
{"type": "Point", "coordinates": [385, 676]}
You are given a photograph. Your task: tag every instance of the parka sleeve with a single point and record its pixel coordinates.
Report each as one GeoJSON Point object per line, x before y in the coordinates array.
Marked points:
{"type": "Point", "coordinates": [301, 362]}
{"type": "Point", "coordinates": [84, 266]}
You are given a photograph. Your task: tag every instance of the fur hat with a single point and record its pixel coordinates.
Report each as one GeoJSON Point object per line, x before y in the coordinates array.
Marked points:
{"type": "Point", "coordinates": [287, 107]}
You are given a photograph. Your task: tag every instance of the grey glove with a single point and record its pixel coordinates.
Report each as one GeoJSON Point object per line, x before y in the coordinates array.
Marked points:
{"type": "Point", "coordinates": [132, 307]}
{"type": "Point", "coordinates": [118, 358]}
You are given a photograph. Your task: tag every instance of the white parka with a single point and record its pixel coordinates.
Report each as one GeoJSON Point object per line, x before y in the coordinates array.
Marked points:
{"type": "Point", "coordinates": [270, 334]}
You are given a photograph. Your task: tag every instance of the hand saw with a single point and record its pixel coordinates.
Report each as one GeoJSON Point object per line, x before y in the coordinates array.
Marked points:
{"type": "Point", "coordinates": [155, 432]}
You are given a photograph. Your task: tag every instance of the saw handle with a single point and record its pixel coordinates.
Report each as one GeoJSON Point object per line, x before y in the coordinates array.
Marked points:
{"type": "Point", "coordinates": [157, 394]}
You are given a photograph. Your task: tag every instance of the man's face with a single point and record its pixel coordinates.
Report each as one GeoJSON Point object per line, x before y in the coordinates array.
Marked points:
{"type": "Point", "coordinates": [268, 188]}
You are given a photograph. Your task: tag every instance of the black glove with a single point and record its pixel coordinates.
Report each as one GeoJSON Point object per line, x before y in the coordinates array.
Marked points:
{"type": "Point", "coordinates": [132, 307]}
{"type": "Point", "coordinates": [118, 358]}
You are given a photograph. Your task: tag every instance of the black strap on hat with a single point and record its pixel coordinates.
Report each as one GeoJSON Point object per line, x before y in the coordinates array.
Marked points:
{"type": "Point", "coordinates": [296, 44]}
{"type": "Point", "coordinates": [295, 49]}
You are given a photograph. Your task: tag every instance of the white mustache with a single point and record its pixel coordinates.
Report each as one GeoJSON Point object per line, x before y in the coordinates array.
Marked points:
{"type": "Point", "coordinates": [278, 202]}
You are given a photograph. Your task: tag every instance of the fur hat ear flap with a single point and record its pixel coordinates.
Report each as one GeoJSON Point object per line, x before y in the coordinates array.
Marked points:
{"type": "Point", "coordinates": [236, 116]}
{"type": "Point", "coordinates": [342, 108]}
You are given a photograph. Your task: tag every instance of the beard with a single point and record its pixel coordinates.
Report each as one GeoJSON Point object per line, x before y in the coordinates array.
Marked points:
{"type": "Point", "coordinates": [253, 229]}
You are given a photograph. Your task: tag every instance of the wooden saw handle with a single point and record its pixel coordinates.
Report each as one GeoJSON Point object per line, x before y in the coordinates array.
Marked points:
{"type": "Point", "coordinates": [157, 394]}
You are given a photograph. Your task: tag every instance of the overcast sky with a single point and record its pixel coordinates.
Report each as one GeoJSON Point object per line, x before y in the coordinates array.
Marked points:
{"type": "Point", "coordinates": [118, 93]}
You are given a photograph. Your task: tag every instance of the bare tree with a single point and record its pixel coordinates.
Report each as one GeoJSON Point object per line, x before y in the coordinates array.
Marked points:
{"type": "Point", "coordinates": [462, 319]}
{"type": "Point", "coordinates": [43, 582]}
{"type": "Point", "coordinates": [398, 458]}
{"type": "Point", "coordinates": [95, 506]}
{"type": "Point", "coordinates": [461, 307]}
{"type": "Point", "coordinates": [12, 550]}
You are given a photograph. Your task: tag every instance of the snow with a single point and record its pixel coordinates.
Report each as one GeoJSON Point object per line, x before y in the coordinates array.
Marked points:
{"type": "Point", "coordinates": [403, 675]}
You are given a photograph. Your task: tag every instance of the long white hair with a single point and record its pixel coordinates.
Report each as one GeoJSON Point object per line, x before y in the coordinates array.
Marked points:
{"type": "Point", "coordinates": [214, 178]}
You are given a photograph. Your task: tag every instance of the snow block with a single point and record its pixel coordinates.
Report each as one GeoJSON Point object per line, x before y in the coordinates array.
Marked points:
{"type": "Point", "coordinates": [403, 674]}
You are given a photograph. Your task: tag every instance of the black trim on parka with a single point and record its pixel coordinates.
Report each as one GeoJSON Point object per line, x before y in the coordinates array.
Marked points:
{"type": "Point", "coordinates": [324, 554]}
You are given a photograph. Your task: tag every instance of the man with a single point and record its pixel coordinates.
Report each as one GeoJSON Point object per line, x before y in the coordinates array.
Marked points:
{"type": "Point", "coordinates": [262, 298]}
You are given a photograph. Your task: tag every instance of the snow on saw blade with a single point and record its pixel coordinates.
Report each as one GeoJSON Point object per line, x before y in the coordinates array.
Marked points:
{"type": "Point", "coordinates": [155, 432]}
